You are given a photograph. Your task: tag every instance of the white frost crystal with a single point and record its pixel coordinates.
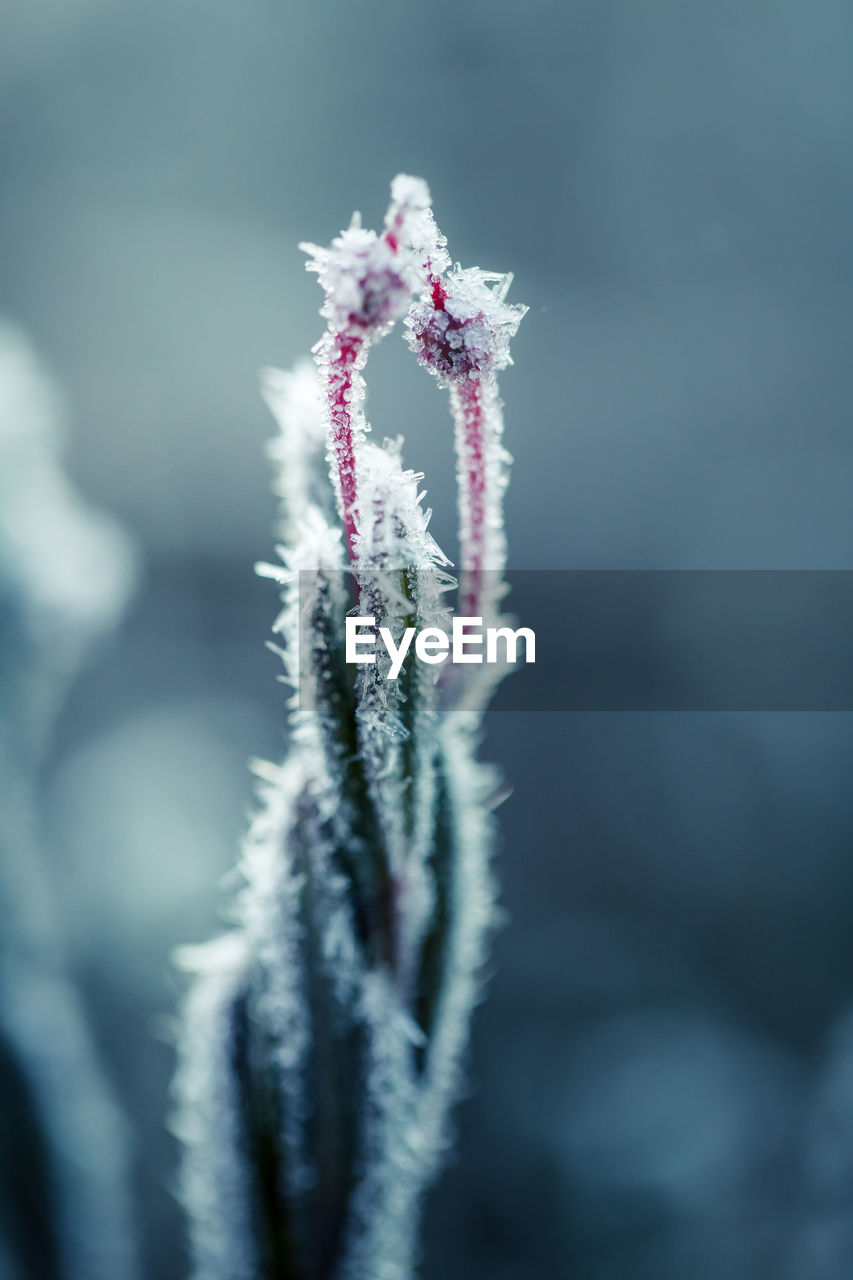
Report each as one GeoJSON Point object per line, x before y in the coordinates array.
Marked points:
{"type": "Point", "coordinates": [332, 1048]}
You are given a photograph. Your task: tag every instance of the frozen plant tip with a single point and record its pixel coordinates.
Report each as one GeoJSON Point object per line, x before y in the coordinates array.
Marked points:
{"type": "Point", "coordinates": [460, 331]}
{"type": "Point", "coordinates": [368, 281]}
{"type": "Point", "coordinates": [324, 1036]}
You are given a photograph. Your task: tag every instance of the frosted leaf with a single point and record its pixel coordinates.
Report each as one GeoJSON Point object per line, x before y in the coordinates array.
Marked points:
{"type": "Point", "coordinates": [402, 583]}
{"type": "Point", "coordinates": [469, 891]}
{"type": "Point", "coordinates": [298, 451]}
{"type": "Point", "coordinates": [311, 578]}
{"type": "Point", "coordinates": [400, 580]}
{"type": "Point", "coordinates": [394, 532]}
{"type": "Point", "coordinates": [216, 1173]}
{"type": "Point", "coordinates": [270, 910]}
{"type": "Point", "coordinates": [384, 1204]}
{"type": "Point", "coordinates": [317, 545]}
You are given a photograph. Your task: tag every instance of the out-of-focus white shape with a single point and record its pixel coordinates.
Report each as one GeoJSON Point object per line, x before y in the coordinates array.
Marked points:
{"type": "Point", "coordinates": [72, 567]}
{"type": "Point", "coordinates": [297, 452]}
{"type": "Point", "coordinates": [148, 813]}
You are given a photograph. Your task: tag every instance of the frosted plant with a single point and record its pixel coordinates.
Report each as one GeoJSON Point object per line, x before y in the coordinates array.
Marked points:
{"type": "Point", "coordinates": [324, 1036]}
{"type": "Point", "coordinates": [65, 572]}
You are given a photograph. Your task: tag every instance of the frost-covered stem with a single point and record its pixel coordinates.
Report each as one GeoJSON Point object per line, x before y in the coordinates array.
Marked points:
{"type": "Point", "coordinates": [460, 329]}
{"type": "Point", "coordinates": [368, 281]}
{"type": "Point", "coordinates": [478, 427]}
{"type": "Point", "coordinates": [345, 355]}
{"type": "Point", "coordinates": [469, 419]}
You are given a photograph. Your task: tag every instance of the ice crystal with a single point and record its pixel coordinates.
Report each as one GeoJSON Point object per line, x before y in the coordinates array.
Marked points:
{"type": "Point", "coordinates": [329, 1036]}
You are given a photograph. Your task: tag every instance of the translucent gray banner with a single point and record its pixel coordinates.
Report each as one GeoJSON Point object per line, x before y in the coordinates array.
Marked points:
{"type": "Point", "coordinates": [614, 640]}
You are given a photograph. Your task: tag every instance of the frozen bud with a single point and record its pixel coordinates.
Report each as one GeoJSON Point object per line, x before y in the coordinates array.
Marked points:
{"type": "Point", "coordinates": [409, 223]}
{"type": "Point", "coordinates": [462, 326]}
{"type": "Point", "coordinates": [367, 283]}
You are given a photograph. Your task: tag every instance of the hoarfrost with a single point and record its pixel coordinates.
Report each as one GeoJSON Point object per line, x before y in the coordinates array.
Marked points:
{"type": "Point", "coordinates": [368, 897]}
{"type": "Point", "coordinates": [215, 1172]}
{"type": "Point", "coordinates": [298, 450]}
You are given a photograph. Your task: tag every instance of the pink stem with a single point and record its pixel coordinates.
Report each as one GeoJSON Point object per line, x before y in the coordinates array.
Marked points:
{"type": "Point", "coordinates": [347, 356]}
{"type": "Point", "coordinates": [469, 413]}
{"type": "Point", "coordinates": [347, 351]}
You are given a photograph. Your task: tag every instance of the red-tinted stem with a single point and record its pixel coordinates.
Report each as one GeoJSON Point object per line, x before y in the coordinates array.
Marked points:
{"type": "Point", "coordinates": [341, 374]}
{"type": "Point", "coordinates": [467, 399]}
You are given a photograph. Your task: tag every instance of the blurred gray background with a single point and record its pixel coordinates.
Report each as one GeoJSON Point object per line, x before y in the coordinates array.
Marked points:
{"type": "Point", "coordinates": [661, 1083]}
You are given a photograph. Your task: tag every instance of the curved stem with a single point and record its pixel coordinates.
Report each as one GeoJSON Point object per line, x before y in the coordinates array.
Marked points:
{"type": "Point", "coordinates": [477, 418]}
{"type": "Point", "coordinates": [342, 372]}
